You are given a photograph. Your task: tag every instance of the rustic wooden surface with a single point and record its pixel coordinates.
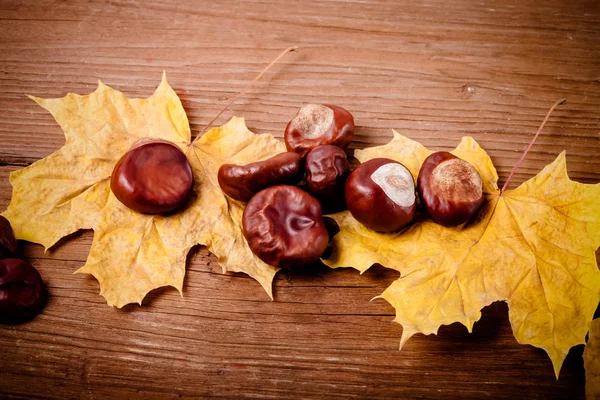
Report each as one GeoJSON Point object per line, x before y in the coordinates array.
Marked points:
{"type": "Point", "coordinates": [435, 71]}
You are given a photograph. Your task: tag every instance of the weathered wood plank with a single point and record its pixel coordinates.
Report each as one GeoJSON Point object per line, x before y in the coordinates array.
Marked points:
{"type": "Point", "coordinates": [435, 71]}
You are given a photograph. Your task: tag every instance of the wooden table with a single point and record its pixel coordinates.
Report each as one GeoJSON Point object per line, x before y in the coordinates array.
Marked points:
{"type": "Point", "coordinates": [434, 71]}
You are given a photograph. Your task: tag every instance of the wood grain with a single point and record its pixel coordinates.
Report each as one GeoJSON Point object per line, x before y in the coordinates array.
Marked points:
{"type": "Point", "coordinates": [434, 71]}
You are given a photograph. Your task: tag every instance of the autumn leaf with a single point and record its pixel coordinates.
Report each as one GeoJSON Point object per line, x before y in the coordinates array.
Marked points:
{"type": "Point", "coordinates": [133, 253]}
{"type": "Point", "coordinates": [533, 247]}
{"type": "Point", "coordinates": [591, 359]}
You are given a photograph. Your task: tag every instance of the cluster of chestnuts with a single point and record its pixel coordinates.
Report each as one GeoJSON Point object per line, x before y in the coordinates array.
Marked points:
{"type": "Point", "coordinates": [286, 194]}
{"type": "Point", "coordinates": [283, 224]}
{"type": "Point", "coordinates": [22, 291]}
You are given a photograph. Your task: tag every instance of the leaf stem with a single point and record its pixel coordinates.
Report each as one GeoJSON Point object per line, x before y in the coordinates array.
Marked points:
{"type": "Point", "coordinates": [248, 86]}
{"type": "Point", "coordinates": [558, 103]}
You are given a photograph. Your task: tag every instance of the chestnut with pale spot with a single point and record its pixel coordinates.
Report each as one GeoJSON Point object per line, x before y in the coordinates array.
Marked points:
{"type": "Point", "coordinates": [450, 188]}
{"type": "Point", "coordinates": [380, 194]}
{"type": "Point", "coordinates": [319, 124]}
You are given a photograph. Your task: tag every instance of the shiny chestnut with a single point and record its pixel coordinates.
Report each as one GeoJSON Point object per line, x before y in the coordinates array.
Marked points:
{"type": "Point", "coordinates": [327, 169]}
{"type": "Point", "coordinates": [241, 182]}
{"type": "Point", "coordinates": [153, 177]}
{"type": "Point", "coordinates": [284, 227]}
{"type": "Point", "coordinates": [380, 194]}
{"type": "Point", "coordinates": [22, 291]}
{"type": "Point", "coordinates": [8, 243]}
{"type": "Point", "coordinates": [319, 124]}
{"type": "Point", "coordinates": [451, 189]}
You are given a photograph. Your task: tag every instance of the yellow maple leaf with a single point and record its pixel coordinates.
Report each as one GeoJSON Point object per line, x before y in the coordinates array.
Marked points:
{"type": "Point", "coordinates": [533, 247]}
{"type": "Point", "coordinates": [133, 253]}
{"type": "Point", "coordinates": [591, 359]}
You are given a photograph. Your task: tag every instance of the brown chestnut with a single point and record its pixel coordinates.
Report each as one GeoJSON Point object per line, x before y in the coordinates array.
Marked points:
{"type": "Point", "coordinates": [22, 291]}
{"type": "Point", "coordinates": [153, 177]}
{"type": "Point", "coordinates": [450, 188]}
{"type": "Point", "coordinates": [8, 243]}
{"type": "Point", "coordinates": [284, 227]}
{"type": "Point", "coordinates": [327, 169]}
{"type": "Point", "coordinates": [380, 194]}
{"type": "Point", "coordinates": [318, 124]}
{"type": "Point", "coordinates": [241, 182]}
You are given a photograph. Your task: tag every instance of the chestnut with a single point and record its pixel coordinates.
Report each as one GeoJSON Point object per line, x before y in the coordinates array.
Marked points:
{"type": "Point", "coordinates": [327, 169]}
{"type": "Point", "coordinates": [153, 177]}
{"type": "Point", "coordinates": [241, 182]}
{"type": "Point", "coordinates": [284, 227]}
{"type": "Point", "coordinates": [8, 243]}
{"type": "Point", "coordinates": [380, 194]}
{"type": "Point", "coordinates": [450, 188]}
{"type": "Point", "coordinates": [318, 124]}
{"type": "Point", "coordinates": [22, 291]}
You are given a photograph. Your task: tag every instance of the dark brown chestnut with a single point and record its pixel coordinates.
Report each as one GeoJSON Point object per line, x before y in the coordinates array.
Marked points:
{"type": "Point", "coordinates": [8, 243]}
{"type": "Point", "coordinates": [153, 177]}
{"type": "Point", "coordinates": [241, 182]}
{"type": "Point", "coordinates": [284, 226]}
{"type": "Point", "coordinates": [318, 124]}
{"type": "Point", "coordinates": [450, 188]}
{"type": "Point", "coordinates": [22, 291]}
{"type": "Point", "coordinates": [327, 169]}
{"type": "Point", "coordinates": [380, 194]}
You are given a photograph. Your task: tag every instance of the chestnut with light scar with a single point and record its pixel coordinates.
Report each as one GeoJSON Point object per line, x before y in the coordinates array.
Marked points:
{"type": "Point", "coordinates": [450, 188]}
{"type": "Point", "coordinates": [313, 120]}
{"type": "Point", "coordinates": [380, 194]}
{"type": "Point", "coordinates": [319, 124]}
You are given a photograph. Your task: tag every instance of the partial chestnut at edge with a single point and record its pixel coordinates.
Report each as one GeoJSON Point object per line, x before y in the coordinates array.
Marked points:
{"type": "Point", "coordinates": [284, 227]}
{"type": "Point", "coordinates": [153, 177]}
{"type": "Point", "coordinates": [380, 194]}
{"type": "Point", "coordinates": [22, 291]}
{"type": "Point", "coordinates": [241, 182]}
{"type": "Point", "coordinates": [319, 124]}
{"type": "Point", "coordinates": [8, 242]}
{"type": "Point", "coordinates": [451, 189]}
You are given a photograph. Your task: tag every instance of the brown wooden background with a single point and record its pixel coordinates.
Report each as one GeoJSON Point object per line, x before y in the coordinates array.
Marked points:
{"type": "Point", "coordinates": [434, 70]}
